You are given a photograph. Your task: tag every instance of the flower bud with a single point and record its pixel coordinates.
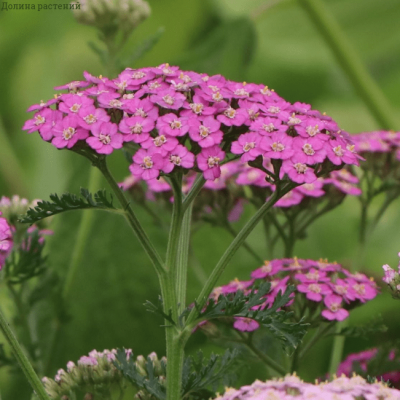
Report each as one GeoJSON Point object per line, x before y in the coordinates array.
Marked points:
{"type": "Point", "coordinates": [112, 15]}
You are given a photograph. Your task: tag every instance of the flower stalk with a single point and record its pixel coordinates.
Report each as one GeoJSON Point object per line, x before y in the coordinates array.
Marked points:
{"type": "Point", "coordinates": [22, 359]}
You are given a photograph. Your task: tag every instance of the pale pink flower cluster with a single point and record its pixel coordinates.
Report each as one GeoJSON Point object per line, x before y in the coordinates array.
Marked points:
{"type": "Point", "coordinates": [292, 388]}
{"type": "Point", "coordinates": [392, 278]}
{"type": "Point", "coordinates": [360, 361]}
{"type": "Point", "coordinates": [183, 119]}
{"type": "Point", "coordinates": [377, 142]}
{"type": "Point", "coordinates": [323, 286]}
{"type": "Point", "coordinates": [96, 370]}
{"type": "Point", "coordinates": [6, 240]}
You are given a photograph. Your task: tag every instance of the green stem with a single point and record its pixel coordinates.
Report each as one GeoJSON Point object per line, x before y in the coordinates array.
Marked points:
{"type": "Point", "coordinates": [249, 249]}
{"type": "Point", "coordinates": [132, 219]}
{"type": "Point", "coordinates": [194, 191]}
{"type": "Point", "coordinates": [183, 258]}
{"type": "Point", "coordinates": [337, 348]}
{"type": "Point", "coordinates": [176, 224]}
{"type": "Point", "coordinates": [234, 246]}
{"type": "Point", "coordinates": [319, 334]}
{"type": "Point", "coordinates": [291, 238]}
{"type": "Point", "coordinates": [22, 359]}
{"type": "Point", "coordinates": [390, 197]}
{"type": "Point", "coordinates": [349, 60]}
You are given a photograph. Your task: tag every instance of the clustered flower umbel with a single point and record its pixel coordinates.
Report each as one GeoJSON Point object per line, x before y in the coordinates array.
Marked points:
{"type": "Point", "coordinates": [381, 150]}
{"type": "Point", "coordinates": [291, 387]}
{"type": "Point", "coordinates": [392, 278]}
{"type": "Point", "coordinates": [327, 289]}
{"type": "Point", "coordinates": [6, 240]}
{"type": "Point", "coordinates": [97, 372]}
{"type": "Point", "coordinates": [186, 120]}
{"type": "Point", "coordinates": [360, 362]}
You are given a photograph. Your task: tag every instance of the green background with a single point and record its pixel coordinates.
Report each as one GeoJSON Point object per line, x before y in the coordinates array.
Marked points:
{"type": "Point", "coordinates": [281, 48]}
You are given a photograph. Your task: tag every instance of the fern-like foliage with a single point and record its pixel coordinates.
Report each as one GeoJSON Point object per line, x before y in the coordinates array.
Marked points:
{"type": "Point", "coordinates": [363, 331]}
{"type": "Point", "coordinates": [27, 261]}
{"type": "Point", "coordinates": [148, 381]}
{"type": "Point", "coordinates": [68, 202]}
{"type": "Point", "coordinates": [201, 377]}
{"type": "Point", "coordinates": [239, 304]}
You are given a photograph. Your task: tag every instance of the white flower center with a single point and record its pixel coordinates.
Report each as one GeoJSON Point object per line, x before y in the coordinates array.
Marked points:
{"type": "Point", "coordinates": [154, 85]}
{"type": "Point", "coordinates": [90, 119]}
{"type": "Point", "coordinates": [159, 140]}
{"type": "Point", "coordinates": [140, 112]}
{"type": "Point", "coordinates": [39, 120]}
{"type": "Point", "coordinates": [274, 109]}
{"type": "Point", "coordinates": [230, 112]}
{"type": "Point", "coordinates": [147, 162]}
{"type": "Point", "coordinates": [176, 124]}
{"type": "Point", "coordinates": [138, 75]}
{"type": "Point", "coordinates": [137, 128]}
{"type": "Point", "coordinates": [309, 186]}
{"type": "Point", "coordinates": [175, 160]}
{"type": "Point", "coordinates": [197, 108]}
{"type": "Point", "coordinates": [268, 127]}
{"type": "Point", "coordinates": [213, 161]}
{"type": "Point", "coordinates": [277, 146]}
{"type": "Point", "coordinates": [265, 91]}
{"type": "Point", "coordinates": [338, 151]}
{"type": "Point", "coordinates": [104, 138]}
{"type": "Point", "coordinates": [214, 88]}
{"type": "Point", "coordinates": [75, 108]}
{"type": "Point", "coordinates": [217, 96]}
{"type": "Point", "coordinates": [169, 99]}
{"type": "Point", "coordinates": [68, 133]}
{"type": "Point", "coordinates": [307, 148]}
{"type": "Point", "coordinates": [122, 85]}
{"type": "Point", "coordinates": [293, 120]}
{"type": "Point", "coordinates": [300, 168]}
{"type": "Point", "coordinates": [248, 146]}
{"type": "Point", "coordinates": [314, 287]}
{"type": "Point", "coordinates": [351, 147]}
{"type": "Point", "coordinates": [242, 92]}
{"type": "Point", "coordinates": [341, 289]}
{"type": "Point", "coordinates": [359, 288]}
{"type": "Point", "coordinates": [128, 96]}
{"type": "Point", "coordinates": [204, 131]}
{"type": "Point", "coordinates": [115, 103]}
{"type": "Point", "coordinates": [334, 307]}
{"type": "Point", "coordinates": [312, 130]}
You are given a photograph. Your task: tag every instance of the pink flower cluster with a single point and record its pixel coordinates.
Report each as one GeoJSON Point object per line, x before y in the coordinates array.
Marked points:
{"type": "Point", "coordinates": [392, 278]}
{"type": "Point", "coordinates": [323, 286]}
{"type": "Point", "coordinates": [94, 371]}
{"type": "Point", "coordinates": [377, 142]}
{"type": "Point", "coordinates": [183, 119]}
{"type": "Point", "coordinates": [237, 174]}
{"type": "Point", "coordinates": [291, 387]}
{"type": "Point", "coordinates": [6, 240]}
{"type": "Point", "coordinates": [361, 360]}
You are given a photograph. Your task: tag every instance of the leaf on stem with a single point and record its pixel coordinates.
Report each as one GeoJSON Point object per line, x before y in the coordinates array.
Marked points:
{"type": "Point", "coordinates": [147, 379]}
{"type": "Point", "coordinates": [201, 378]}
{"type": "Point", "coordinates": [68, 202]}
{"type": "Point", "coordinates": [159, 309]}
{"type": "Point", "coordinates": [239, 304]}
{"type": "Point", "coordinates": [363, 331]}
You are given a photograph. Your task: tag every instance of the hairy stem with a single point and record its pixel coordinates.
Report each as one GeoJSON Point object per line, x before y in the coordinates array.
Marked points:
{"type": "Point", "coordinates": [22, 359]}
{"type": "Point", "coordinates": [337, 348]}
{"type": "Point", "coordinates": [351, 63]}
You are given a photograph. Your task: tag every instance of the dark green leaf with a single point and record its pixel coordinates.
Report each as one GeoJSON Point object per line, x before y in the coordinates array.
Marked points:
{"type": "Point", "coordinates": [201, 377]}
{"type": "Point", "coordinates": [68, 202]}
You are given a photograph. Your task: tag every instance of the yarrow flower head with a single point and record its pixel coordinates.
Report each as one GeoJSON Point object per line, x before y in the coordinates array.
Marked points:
{"type": "Point", "coordinates": [184, 121]}
{"type": "Point", "coordinates": [361, 362]}
{"type": "Point", "coordinates": [327, 289]}
{"type": "Point", "coordinates": [291, 387]}
{"type": "Point", "coordinates": [392, 278]}
{"type": "Point", "coordinates": [97, 373]}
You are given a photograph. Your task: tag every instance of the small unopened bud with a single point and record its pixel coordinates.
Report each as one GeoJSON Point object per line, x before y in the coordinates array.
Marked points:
{"type": "Point", "coordinates": [112, 15]}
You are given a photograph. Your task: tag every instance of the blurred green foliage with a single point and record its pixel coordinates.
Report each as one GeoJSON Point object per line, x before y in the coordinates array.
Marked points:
{"type": "Point", "coordinates": [279, 47]}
